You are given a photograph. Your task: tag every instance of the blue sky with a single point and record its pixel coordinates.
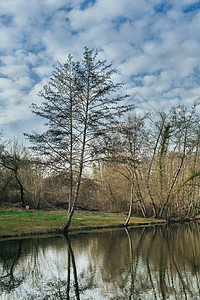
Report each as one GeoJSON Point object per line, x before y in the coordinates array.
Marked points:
{"type": "Point", "coordinates": [153, 44]}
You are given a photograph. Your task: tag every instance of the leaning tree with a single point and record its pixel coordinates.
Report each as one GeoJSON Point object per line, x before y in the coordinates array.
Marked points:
{"type": "Point", "coordinates": [81, 104]}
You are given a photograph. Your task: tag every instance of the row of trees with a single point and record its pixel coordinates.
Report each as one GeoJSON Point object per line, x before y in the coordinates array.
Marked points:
{"type": "Point", "coordinates": [99, 154]}
{"type": "Point", "coordinates": [151, 166]}
{"type": "Point", "coordinates": [159, 156]}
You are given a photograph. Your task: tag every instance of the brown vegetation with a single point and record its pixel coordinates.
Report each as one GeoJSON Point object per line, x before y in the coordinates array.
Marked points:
{"type": "Point", "coordinates": [145, 172]}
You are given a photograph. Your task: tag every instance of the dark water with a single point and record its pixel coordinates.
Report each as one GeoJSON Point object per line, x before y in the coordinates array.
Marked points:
{"type": "Point", "coordinates": [143, 263]}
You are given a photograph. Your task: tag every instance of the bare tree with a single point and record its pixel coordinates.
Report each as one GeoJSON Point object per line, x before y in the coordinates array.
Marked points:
{"type": "Point", "coordinates": [80, 105]}
{"type": "Point", "coordinates": [14, 159]}
{"type": "Point", "coordinates": [135, 136]}
{"type": "Point", "coordinates": [175, 143]}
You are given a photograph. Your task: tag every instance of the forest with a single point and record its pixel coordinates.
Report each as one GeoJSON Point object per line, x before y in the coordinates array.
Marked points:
{"type": "Point", "coordinates": [98, 154]}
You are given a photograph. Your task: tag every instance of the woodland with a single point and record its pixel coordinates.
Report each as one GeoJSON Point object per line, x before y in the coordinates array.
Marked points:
{"type": "Point", "coordinates": [100, 154]}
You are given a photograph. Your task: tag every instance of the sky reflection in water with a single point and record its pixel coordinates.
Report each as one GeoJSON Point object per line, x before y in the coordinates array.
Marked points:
{"type": "Point", "coordinates": [141, 263]}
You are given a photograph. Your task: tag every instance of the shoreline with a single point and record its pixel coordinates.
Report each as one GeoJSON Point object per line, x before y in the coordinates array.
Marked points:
{"type": "Point", "coordinates": [19, 223]}
{"type": "Point", "coordinates": [81, 230]}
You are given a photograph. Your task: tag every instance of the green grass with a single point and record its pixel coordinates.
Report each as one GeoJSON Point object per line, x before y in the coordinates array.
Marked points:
{"type": "Point", "coordinates": [17, 222]}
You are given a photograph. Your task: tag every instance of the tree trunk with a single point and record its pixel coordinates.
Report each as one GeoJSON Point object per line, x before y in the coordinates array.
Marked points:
{"type": "Point", "coordinates": [21, 191]}
{"type": "Point", "coordinates": [175, 178]}
{"type": "Point", "coordinates": [66, 225]}
{"type": "Point", "coordinates": [131, 206]}
{"type": "Point", "coordinates": [141, 201]}
{"type": "Point", "coordinates": [71, 149]}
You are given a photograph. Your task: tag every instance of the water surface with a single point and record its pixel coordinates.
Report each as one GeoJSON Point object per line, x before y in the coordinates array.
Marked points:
{"type": "Point", "coordinates": [160, 262]}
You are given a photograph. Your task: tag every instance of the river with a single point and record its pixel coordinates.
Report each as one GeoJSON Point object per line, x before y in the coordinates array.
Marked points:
{"type": "Point", "coordinates": [161, 262]}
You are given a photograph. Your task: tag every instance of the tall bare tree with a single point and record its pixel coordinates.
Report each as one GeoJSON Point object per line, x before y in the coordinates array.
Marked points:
{"type": "Point", "coordinates": [80, 105]}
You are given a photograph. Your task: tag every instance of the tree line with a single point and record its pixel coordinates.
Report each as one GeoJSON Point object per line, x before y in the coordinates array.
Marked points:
{"type": "Point", "coordinates": [98, 153]}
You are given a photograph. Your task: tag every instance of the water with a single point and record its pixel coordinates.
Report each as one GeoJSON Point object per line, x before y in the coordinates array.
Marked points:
{"type": "Point", "coordinates": [142, 263]}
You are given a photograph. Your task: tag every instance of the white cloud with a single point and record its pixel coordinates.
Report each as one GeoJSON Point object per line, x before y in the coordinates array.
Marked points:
{"type": "Point", "coordinates": [153, 44]}
{"type": "Point", "coordinates": [14, 71]}
{"type": "Point", "coordinates": [43, 71]}
{"type": "Point", "coordinates": [9, 38]}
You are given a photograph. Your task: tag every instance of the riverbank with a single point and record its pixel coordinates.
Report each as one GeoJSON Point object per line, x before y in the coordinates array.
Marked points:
{"type": "Point", "coordinates": [20, 222]}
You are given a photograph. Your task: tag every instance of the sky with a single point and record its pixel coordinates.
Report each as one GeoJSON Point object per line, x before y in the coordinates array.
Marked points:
{"type": "Point", "coordinates": [153, 44]}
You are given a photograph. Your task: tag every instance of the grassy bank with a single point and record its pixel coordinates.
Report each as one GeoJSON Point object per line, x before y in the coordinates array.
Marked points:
{"type": "Point", "coordinates": [18, 222]}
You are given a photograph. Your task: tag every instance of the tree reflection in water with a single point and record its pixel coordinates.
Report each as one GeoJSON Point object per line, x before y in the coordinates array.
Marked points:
{"type": "Point", "coordinates": [71, 255]}
{"type": "Point", "coordinates": [141, 263]}
{"type": "Point", "coordinates": [171, 266]}
{"type": "Point", "coordinates": [8, 280]}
